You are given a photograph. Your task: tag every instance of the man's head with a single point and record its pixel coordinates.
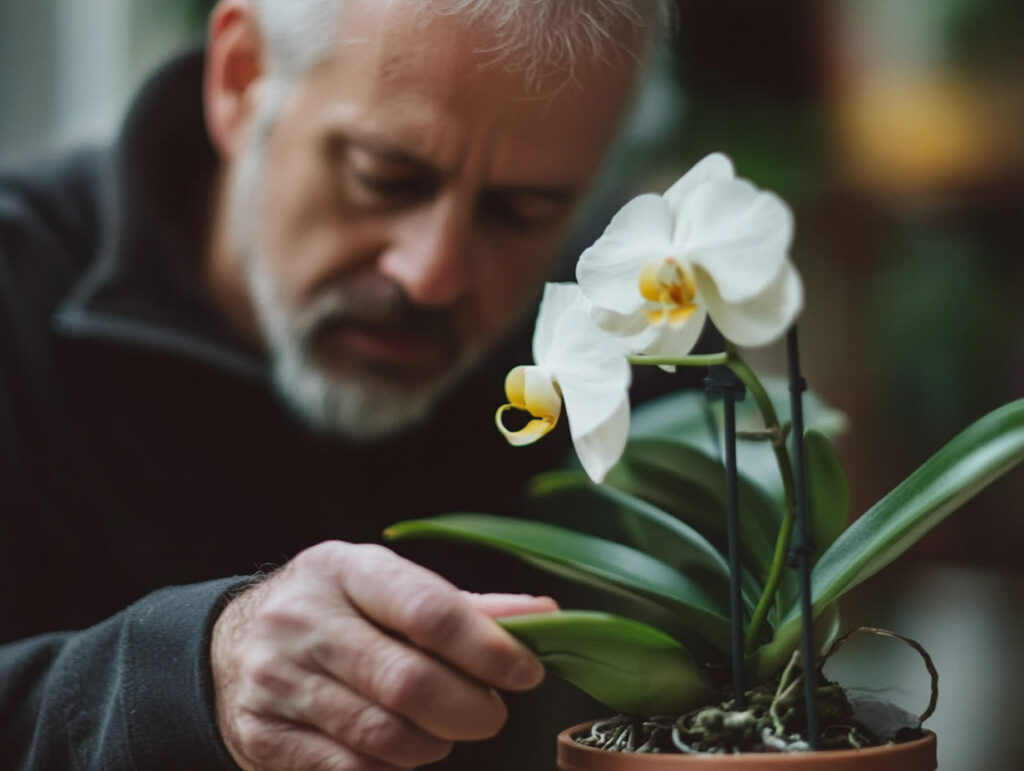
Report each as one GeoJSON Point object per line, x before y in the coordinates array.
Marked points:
{"type": "Point", "coordinates": [398, 175]}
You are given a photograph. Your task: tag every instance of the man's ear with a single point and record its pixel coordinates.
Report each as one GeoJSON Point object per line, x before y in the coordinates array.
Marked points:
{"type": "Point", "coordinates": [234, 71]}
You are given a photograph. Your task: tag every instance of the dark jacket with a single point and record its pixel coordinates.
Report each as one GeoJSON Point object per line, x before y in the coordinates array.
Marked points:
{"type": "Point", "coordinates": [141, 447]}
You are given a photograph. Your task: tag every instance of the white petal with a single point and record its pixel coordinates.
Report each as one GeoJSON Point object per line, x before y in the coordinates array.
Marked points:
{"type": "Point", "coordinates": [759, 320]}
{"type": "Point", "coordinates": [609, 270]}
{"type": "Point", "coordinates": [619, 326]}
{"type": "Point", "coordinates": [601, 449]}
{"type": "Point", "coordinates": [557, 298]}
{"type": "Point", "coordinates": [714, 166]}
{"type": "Point", "coordinates": [678, 341]}
{"type": "Point", "coordinates": [738, 234]}
{"type": "Point", "coordinates": [591, 370]}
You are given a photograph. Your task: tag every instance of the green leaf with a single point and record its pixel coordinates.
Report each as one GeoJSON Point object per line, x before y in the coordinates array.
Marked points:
{"type": "Point", "coordinates": [685, 416]}
{"type": "Point", "coordinates": [971, 461]}
{"type": "Point", "coordinates": [691, 486]}
{"type": "Point", "coordinates": [627, 666]}
{"type": "Point", "coordinates": [570, 499]}
{"type": "Point", "coordinates": [584, 558]}
{"type": "Point", "coordinates": [828, 492]}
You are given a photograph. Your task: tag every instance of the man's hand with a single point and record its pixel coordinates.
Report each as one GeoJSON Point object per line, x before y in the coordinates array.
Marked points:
{"type": "Point", "coordinates": [351, 658]}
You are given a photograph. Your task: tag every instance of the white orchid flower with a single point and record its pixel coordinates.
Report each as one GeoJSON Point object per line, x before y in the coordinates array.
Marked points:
{"type": "Point", "coordinates": [577, 363]}
{"type": "Point", "coordinates": [712, 245]}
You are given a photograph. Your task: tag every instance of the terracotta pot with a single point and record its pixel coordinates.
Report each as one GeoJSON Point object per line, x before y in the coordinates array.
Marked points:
{"type": "Point", "coordinates": [918, 755]}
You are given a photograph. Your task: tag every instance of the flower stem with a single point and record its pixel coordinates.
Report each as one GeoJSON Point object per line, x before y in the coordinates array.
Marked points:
{"type": "Point", "coordinates": [771, 423]}
{"type": "Point", "coordinates": [700, 360]}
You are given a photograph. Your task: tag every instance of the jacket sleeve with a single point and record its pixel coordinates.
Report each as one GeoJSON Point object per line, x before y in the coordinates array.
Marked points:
{"type": "Point", "coordinates": [133, 692]}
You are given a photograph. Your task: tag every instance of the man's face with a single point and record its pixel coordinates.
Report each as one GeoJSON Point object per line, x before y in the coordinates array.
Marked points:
{"type": "Point", "coordinates": [411, 195]}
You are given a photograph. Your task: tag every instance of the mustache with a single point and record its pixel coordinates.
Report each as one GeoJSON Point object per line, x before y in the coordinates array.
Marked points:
{"type": "Point", "coordinates": [371, 300]}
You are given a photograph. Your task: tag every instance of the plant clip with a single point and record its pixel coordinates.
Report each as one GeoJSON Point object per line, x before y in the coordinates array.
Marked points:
{"type": "Point", "coordinates": [721, 379]}
{"type": "Point", "coordinates": [796, 551]}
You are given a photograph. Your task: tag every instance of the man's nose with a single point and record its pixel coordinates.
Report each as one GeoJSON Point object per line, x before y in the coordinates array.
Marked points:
{"type": "Point", "coordinates": [428, 254]}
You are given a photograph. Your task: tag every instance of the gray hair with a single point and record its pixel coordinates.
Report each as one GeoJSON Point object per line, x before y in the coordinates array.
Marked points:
{"type": "Point", "coordinates": [302, 33]}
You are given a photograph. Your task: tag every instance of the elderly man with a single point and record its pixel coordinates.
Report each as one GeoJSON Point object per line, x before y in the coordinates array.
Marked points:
{"type": "Point", "coordinates": [278, 311]}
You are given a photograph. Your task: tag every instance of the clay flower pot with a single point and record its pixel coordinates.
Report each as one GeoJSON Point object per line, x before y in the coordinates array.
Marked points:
{"type": "Point", "coordinates": [918, 755]}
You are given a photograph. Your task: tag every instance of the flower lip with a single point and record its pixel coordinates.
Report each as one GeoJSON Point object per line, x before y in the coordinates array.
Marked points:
{"type": "Point", "coordinates": [533, 390]}
{"type": "Point", "coordinates": [672, 287]}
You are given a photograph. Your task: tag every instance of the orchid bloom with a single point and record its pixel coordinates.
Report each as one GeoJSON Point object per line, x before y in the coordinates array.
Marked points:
{"type": "Point", "coordinates": [712, 245]}
{"type": "Point", "coordinates": [574, 362]}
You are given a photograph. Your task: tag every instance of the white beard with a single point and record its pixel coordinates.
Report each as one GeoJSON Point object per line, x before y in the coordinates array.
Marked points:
{"type": "Point", "coordinates": [358, 405]}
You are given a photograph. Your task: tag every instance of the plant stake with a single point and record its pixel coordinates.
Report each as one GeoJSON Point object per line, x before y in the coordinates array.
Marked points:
{"type": "Point", "coordinates": [800, 554]}
{"type": "Point", "coordinates": [722, 383]}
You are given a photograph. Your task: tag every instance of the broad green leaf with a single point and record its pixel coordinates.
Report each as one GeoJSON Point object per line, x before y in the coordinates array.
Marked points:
{"type": "Point", "coordinates": [570, 499]}
{"type": "Point", "coordinates": [691, 486]}
{"type": "Point", "coordinates": [588, 559]}
{"type": "Point", "coordinates": [971, 461]}
{"type": "Point", "coordinates": [685, 416]}
{"type": "Point", "coordinates": [828, 492]}
{"type": "Point", "coordinates": [681, 415]}
{"type": "Point", "coordinates": [627, 666]}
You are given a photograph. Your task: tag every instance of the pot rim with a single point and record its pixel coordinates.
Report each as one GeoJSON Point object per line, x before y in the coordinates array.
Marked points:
{"type": "Point", "coordinates": [893, 756]}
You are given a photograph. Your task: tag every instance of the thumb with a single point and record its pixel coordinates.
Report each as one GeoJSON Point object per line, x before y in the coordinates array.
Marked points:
{"type": "Point", "coordinates": [498, 605]}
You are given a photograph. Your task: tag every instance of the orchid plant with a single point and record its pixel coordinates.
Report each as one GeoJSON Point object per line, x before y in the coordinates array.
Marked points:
{"type": "Point", "coordinates": [712, 246]}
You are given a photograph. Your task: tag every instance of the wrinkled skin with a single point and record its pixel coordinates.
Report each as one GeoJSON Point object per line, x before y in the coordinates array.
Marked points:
{"type": "Point", "coordinates": [351, 657]}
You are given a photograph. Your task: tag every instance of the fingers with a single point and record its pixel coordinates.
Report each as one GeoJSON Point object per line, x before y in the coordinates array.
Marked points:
{"type": "Point", "coordinates": [434, 615]}
{"type": "Point", "coordinates": [408, 682]}
{"type": "Point", "coordinates": [500, 605]}
{"type": "Point", "coordinates": [352, 658]}
{"type": "Point", "coordinates": [353, 721]}
{"type": "Point", "coordinates": [282, 746]}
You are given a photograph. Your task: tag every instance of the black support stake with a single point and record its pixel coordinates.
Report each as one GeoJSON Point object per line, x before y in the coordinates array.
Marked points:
{"type": "Point", "coordinates": [803, 549]}
{"type": "Point", "coordinates": [723, 384]}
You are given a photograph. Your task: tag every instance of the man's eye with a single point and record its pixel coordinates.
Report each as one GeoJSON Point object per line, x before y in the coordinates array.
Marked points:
{"type": "Point", "coordinates": [404, 187]}
{"type": "Point", "coordinates": [520, 215]}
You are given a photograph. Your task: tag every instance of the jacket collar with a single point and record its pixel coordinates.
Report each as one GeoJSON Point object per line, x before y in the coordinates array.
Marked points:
{"type": "Point", "coordinates": [144, 287]}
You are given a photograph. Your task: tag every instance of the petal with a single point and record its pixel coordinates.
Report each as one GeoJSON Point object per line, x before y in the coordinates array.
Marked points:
{"type": "Point", "coordinates": [714, 166]}
{"type": "Point", "coordinates": [557, 297]}
{"type": "Point", "coordinates": [618, 325]}
{"type": "Point", "coordinates": [677, 340]}
{"type": "Point", "coordinates": [591, 370]}
{"type": "Point", "coordinates": [609, 270]}
{"type": "Point", "coordinates": [601, 449]}
{"type": "Point", "coordinates": [738, 234]}
{"type": "Point", "coordinates": [541, 398]}
{"type": "Point", "coordinates": [528, 434]}
{"type": "Point", "coordinates": [761, 319]}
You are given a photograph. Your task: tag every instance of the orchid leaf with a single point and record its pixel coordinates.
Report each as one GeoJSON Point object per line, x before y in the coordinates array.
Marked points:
{"type": "Point", "coordinates": [570, 499]}
{"type": "Point", "coordinates": [970, 462]}
{"type": "Point", "coordinates": [584, 558]}
{"type": "Point", "coordinates": [687, 417]}
{"type": "Point", "coordinates": [828, 492]}
{"type": "Point", "coordinates": [691, 486]}
{"type": "Point", "coordinates": [627, 666]}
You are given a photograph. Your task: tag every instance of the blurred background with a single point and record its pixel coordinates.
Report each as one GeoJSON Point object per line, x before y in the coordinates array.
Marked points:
{"type": "Point", "coordinates": [894, 128]}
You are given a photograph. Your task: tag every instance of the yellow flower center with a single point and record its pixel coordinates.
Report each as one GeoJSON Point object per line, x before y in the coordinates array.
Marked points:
{"type": "Point", "coordinates": [531, 390]}
{"type": "Point", "coordinates": [672, 288]}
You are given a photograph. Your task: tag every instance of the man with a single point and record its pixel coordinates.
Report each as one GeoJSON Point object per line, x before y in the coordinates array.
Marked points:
{"type": "Point", "coordinates": [278, 319]}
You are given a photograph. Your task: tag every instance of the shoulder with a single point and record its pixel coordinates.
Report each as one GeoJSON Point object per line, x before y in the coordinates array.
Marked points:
{"type": "Point", "coordinates": [49, 220]}
{"type": "Point", "coordinates": [49, 231]}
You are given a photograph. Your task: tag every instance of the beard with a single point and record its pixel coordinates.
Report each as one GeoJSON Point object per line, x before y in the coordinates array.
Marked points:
{"type": "Point", "coordinates": [347, 396]}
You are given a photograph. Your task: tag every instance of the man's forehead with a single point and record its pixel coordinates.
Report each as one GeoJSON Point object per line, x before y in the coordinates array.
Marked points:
{"type": "Point", "coordinates": [420, 85]}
